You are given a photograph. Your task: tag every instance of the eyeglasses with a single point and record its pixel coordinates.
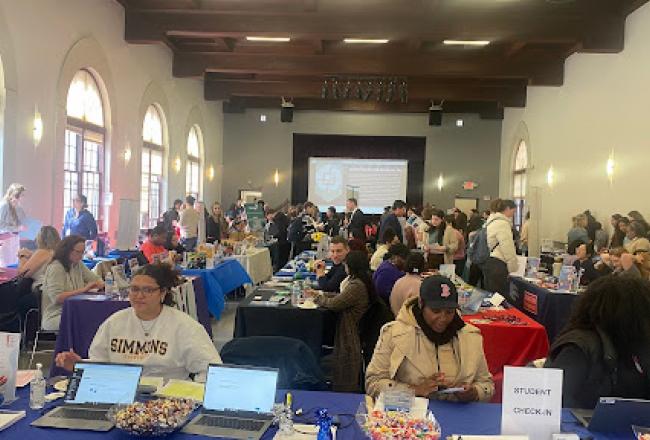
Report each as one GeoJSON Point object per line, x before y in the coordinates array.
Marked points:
{"type": "Point", "coordinates": [147, 290]}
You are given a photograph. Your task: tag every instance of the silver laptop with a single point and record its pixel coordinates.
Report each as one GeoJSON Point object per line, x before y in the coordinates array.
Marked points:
{"type": "Point", "coordinates": [615, 415]}
{"type": "Point", "coordinates": [237, 403]}
{"type": "Point", "coordinates": [92, 389]}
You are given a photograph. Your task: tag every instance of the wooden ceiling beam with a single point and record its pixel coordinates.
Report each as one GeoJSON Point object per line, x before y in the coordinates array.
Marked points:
{"type": "Point", "coordinates": [508, 96]}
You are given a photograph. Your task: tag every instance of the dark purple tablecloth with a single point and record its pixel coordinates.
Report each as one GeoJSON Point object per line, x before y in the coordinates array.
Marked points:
{"type": "Point", "coordinates": [83, 314]}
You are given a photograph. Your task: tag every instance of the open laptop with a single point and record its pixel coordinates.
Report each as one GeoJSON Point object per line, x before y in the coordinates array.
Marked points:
{"type": "Point", "coordinates": [237, 403]}
{"type": "Point", "coordinates": [93, 388]}
{"type": "Point", "coordinates": [615, 415]}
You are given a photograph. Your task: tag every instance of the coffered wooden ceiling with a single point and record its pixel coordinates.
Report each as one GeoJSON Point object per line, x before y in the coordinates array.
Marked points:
{"type": "Point", "coordinates": [530, 40]}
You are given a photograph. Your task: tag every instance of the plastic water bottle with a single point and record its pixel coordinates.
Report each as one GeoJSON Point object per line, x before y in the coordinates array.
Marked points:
{"type": "Point", "coordinates": [109, 285]}
{"type": "Point", "coordinates": [296, 292]}
{"type": "Point", "coordinates": [37, 389]}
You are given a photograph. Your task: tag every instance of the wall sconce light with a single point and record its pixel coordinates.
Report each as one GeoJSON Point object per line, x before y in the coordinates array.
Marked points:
{"type": "Point", "coordinates": [177, 164]}
{"type": "Point", "coordinates": [610, 167]}
{"type": "Point", "coordinates": [210, 173]}
{"type": "Point", "coordinates": [550, 177]}
{"type": "Point", "coordinates": [441, 182]}
{"type": "Point", "coordinates": [276, 178]}
{"type": "Point", "coordinates": [37, 128]}
{"type": "Point", "coordinates": [126, 154]}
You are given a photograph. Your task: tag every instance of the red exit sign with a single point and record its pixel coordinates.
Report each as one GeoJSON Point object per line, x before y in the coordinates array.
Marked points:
{"type": "Point", "coordinates": [469, 185]}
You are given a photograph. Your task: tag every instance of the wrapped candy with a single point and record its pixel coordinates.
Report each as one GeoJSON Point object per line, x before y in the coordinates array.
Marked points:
{"type": "Point", "coordinates": [324, 423]}
{"type": "Point", "coordinates": [380, 425]}
{"type": "Point", "coordinates": [153, 418]}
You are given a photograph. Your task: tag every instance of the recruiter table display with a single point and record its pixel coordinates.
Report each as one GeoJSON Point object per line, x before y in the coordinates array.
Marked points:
{"type": "Point", "coordinates": [83, 314]}
{"type": "Point", "coordinates": [315, 327]}
{"type": "Point", "coordinates": [257, 262]}
{"type": "Point", "coordinates": [219, 281]}
{"type": "Point", "coordinates": [550, 308]}
{"type": "Point", "coordinates": [454, 418]}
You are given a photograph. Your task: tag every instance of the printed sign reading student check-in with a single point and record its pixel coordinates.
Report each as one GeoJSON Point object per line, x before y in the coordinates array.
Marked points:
{"type": "Point", "coordinates": [532, 402]}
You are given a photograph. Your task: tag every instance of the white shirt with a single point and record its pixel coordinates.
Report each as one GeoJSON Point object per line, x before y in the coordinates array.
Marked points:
{"type": "Point", "coordinates": [189, 223]}
{"type": "Point", "coordinates": [177, 345]}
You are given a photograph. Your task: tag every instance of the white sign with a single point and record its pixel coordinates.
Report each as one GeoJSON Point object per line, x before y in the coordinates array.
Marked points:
{"type": "Point", "coordinates": [532, 402]}
{"type": "Point", "coordinates": [9, 350]}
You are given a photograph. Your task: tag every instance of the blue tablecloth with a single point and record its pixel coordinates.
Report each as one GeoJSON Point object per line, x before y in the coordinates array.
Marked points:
{"type": "Point", "coordinates": [83, 314]}
{"type": "Point", "coordinates": [224, 278]}
{"type": "Point", "coordinates": [455, 418]}
{"type": "Point", "coordinates": [550, 309]}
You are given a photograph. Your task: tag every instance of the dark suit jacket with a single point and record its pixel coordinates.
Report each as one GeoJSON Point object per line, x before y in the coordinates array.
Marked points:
{"type": "Point", "coordinates": [357, 225]}
{"type": "Point", "coordinates": [390, 221]}
{"type": "Point", "coordinates": [331, 281]}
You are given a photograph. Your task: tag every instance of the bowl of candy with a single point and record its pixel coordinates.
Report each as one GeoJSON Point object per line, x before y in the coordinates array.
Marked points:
{"type": "Point", "coordinates": [154, 418]}
{"type": "Point", "coordinates": [388, 425]}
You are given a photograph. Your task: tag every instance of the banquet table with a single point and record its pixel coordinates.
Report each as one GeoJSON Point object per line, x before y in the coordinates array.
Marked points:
{"type": "Point", "coordinates": [549, 308]}
{"type": "Point", "coordinates": [454, 418]}
{"type": "Point", "coordinates": [220, 280]}
{"type": "Point", "coordinates": [315, 327]}
{"type": "Point", "coordinates": [83, 314]}
{"type": "Point", "coordinates": [257, 263]}
{"type": "Point", "coordinates": [509, 338]}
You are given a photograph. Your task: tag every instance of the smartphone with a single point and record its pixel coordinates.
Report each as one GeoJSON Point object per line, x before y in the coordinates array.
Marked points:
{"type": "Point", "coordinates": [451, 390]}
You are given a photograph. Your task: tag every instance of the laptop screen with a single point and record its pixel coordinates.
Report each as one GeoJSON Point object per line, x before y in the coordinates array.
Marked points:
{"type": "Point", "coordinates": [234, 388]}
{"type": "Point", "coordinates": [103, 383]}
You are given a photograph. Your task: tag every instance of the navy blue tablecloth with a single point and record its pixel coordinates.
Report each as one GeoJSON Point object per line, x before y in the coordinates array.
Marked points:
{"type": "Point", "coordinates": [83, 314]}
{"type": "Point", "coordinates": [455, 418]}
{"type": "Point", "coordinates": [550, 309]}
{"type": "Point", "coordinates": [222, 279]}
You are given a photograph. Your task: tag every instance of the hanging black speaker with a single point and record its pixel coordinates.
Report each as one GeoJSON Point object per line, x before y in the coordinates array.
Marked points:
{"type": "Point", "coordinates": [286, 113]}
{"type": "Point", "coordinates": [435, 117]}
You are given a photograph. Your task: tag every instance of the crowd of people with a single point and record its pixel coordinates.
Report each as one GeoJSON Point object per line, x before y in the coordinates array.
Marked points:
{"type": "Point", "coordinates": [383, 275]}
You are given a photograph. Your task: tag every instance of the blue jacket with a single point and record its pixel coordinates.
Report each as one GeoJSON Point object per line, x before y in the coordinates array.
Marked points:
{"type": "Point", "coordinates": [390, 221]}
{"type": "Point", "coordinates": [84, 225]}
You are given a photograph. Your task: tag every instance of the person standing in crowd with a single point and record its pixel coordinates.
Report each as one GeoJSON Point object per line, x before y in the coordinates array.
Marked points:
{"type": "Point", "coordinates": [601, 238]}
{"type": "Point", "coordinates": [296, 231]}
{"type": "Point", "coordinates": [350, 305]}
{"type": "Point", "coordinates": [429, 348]}
{"type": "Point", "coordinates": [189, 224]}
{"type": "Point", "coordinates": [357, 222]}
{"type": "Point", "coordinates": [12, 221]}
{"type": "Point", "coordinates": [459, 256]}
{"type": "Point", "coordinates": [79, 221]}
{"type": "Point", "coordinates": [637, 242]}
{"type": "Point", "coordinates": [332, 225]}
{"type": "Point", "coordinates": [391, 270]}
{"type": "Point", "coordinates": [392, 221]}
{"type": "Point", "coordinates": [591, 225]}
{"type": "Point", "coordinates": [585, 263]}
{"type": "Point", "coordinates": [154, 245]}
{"type": "Point", "coordinates": [388, 239]}
{"type": "Point", "coordinates": [637, 217]}
{"type": "Point", "coordinates": [485, 215]}
{"type": "Point", "coordinates": [216, 226]}
{"type": "Point", "coordinates": [460, 221]}
{"type": "Point", "coordinates": [501, 244]}
{"type": "Point", "coordinates": [172, 215]}
{"type": "Point", "coordinates": [276, 231]}
{"type": "Point", "coordinates": [66, 276]}
{"type": "Point", "coordinates": [579, 230]}
{"type": "Point", "coordinates": [475, 221]}
{"type": "Point", "coordinates": [442, 243]}
{"type": "Point", "coordinates": [523, 236]}
{"type": "Point", "coordinates": [605, 349]}
{"type": "Point", "coordinates": [409, 285]}
{"type": "Point", "coordinates": [618, 236]}
{"type": "Point", "coordinates": [331, 281]}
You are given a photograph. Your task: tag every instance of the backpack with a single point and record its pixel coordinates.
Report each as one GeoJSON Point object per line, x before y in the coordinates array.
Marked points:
{"type": "Point", "coordinates": [478, 251]}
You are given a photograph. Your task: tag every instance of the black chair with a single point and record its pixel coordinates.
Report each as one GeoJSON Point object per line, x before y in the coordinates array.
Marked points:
{"type": "Point", "coordinates": [298, 367]}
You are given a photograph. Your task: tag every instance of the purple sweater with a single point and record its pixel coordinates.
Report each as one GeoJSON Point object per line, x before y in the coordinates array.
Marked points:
{"type": "Point", "coordinates": [384, 278]}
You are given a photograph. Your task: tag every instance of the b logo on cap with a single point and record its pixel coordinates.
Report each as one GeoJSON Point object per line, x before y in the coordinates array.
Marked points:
{"type": "Point", "coordinates": [445, 291]}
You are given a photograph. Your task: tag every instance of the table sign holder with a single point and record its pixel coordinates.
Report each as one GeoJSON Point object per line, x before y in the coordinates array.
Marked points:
{"type": "Point", "coordinates": [532, 402]}
{"type": "Point", "coordinates": [9, 351]}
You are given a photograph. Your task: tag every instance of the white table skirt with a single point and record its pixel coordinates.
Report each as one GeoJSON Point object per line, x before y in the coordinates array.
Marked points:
{"type": "Point", "coordinates": [257, 263]}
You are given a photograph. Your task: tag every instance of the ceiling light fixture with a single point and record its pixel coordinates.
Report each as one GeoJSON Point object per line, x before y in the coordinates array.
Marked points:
{"type": "Point", "coordinates": [365, 40]}
{"type": "Point", "coordinates": [269, 39]}
{"type": "Point", "coordinates": [466, 42]}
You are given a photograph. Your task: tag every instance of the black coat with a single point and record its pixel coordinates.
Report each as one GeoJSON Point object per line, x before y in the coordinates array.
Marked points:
{"type": "Point", "coordinates": [279, 227]}
{"type": "Point", "coordinates": [390, 222]}
{"type": "Point", "coordinates": [357, 225]}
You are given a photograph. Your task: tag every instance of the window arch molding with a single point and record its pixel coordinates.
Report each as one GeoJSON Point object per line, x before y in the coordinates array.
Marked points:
{"type": "Point", "coordinates": [195, 119]}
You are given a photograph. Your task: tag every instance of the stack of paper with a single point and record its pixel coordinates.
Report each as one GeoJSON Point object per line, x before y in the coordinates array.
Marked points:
{"type": "Point", "coordinates": [8, 418]}
{"type": "Point", "coordinates": [183, 389]}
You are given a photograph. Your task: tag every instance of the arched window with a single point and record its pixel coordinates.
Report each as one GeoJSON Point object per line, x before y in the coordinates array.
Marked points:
{"type": "Point", "coordinates": [193, 168]}
{"type": "Point", "coordinates": [519, 183]}
{"type": "Point", "coordinates": [153, 152]}
{"type": "Point", "coordinates": [84, 144]}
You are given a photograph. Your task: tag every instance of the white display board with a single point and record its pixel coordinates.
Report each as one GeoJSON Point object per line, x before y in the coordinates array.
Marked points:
{"type": "Point", "coordinates": [128, 228]}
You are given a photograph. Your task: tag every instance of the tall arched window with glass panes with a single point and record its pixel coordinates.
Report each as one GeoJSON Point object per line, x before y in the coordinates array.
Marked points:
{"type": "Point", "coordinates": [85, 135]}
{"type": "Point", "coordinates": [519, 183]}
{"type": "Point", "coordinates": [193, 166]}
{"type": "Point", "coordinates": [152, 177]}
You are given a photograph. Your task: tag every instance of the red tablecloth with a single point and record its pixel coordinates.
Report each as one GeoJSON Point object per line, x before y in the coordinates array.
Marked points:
{"type": "Point", "coordinates": [509, 344]}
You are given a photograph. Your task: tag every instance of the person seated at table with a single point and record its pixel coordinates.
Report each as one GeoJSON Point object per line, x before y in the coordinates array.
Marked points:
{"type": "Point", "coordinates": [350, 305]}
{"type": "Point", "coordinates": [605, 348]}
{"type": "Point", "coordinates": [637, 242]}
{"type": "Point", "coordinates": [618, 262]}
{"type": "Point", "coordinates": [429, 348]}
{"type": "Point", "coordinates": [409, 285]}
{"type": "Point", "coordinates": [389, 238]}
{"type": "Point", "coordinates": [172, 243]}
{"type": "Point", "coordinates": [331, 281]}
{"type": "Point", "coordinates": [66, 276]}
{"type": "Point", "coordinates": [154, 245]}
{"type": "Point", "coordinates": [391, 270]}
{"type": "Point", "coordinates": [584, 261]}
{"type": "Point", "coordinates": [164, 340]}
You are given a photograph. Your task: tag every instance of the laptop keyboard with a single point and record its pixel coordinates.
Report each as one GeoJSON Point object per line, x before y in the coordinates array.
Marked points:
{"type": "Point", "coordinates": [231, 423]}
{"type": "Point", "coordinates": [83, 414]}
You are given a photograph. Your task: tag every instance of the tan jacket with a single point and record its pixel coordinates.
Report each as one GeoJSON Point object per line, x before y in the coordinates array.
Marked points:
{"type": "Point", "coordinates": [638, 244]}
{"type": "Point", "coordinates": [405, 357]}
{"type": "Point", "coordinates": [450, 241]}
